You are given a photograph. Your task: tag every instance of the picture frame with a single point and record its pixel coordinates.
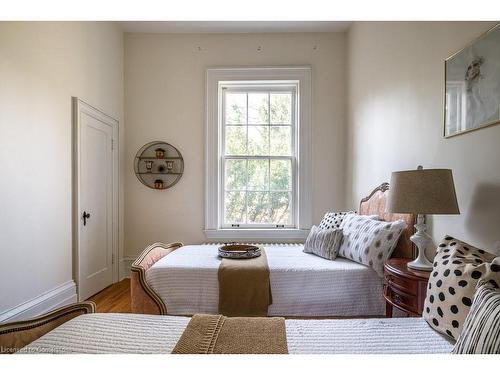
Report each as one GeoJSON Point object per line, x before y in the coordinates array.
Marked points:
{"type": "Point", "coordinates": [472, 85]}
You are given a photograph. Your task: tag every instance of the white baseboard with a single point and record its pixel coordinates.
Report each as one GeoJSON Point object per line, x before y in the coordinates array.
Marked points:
{"type": "Point", "coordinates": [125, 264]}
{"type": "Point", "coordinates": [61, 295]}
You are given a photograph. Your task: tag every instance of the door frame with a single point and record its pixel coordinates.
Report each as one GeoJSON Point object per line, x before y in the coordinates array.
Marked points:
{"type": "Point", "coordinates": [78, 107]}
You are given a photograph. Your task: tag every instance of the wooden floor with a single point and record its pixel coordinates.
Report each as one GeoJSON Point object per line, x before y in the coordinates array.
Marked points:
{"type": "Point", "coordinates": [114, 299]}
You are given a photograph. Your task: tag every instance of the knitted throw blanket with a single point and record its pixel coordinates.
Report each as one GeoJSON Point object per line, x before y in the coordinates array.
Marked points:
{"type": "Point", "coordinates": [244, 286]}
{"type": "Point", "coordinates": [217, 334]}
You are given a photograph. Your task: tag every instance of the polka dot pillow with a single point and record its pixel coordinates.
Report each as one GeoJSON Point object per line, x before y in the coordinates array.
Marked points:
{"type": "Point", "coordinates": [333, 220]}
{"type": "Point", "coordinates": [458, 267]}
{"type": "Point", "coordinates": [368, 241]}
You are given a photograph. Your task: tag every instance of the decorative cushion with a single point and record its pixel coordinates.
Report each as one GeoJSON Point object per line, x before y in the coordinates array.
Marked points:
{"type": "Point", "coordinates": [458, 267]}
{"type": "Point", "coordinates": [368, 241]}
{"type": "Point", "coordinates": [333, 220]}
{"type": "Point", "coordinates": [481, 331]}
{"type": "Point", "coordinates": [323, 242]}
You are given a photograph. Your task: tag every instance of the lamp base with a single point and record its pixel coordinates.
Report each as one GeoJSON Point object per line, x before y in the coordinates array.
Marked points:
{"type": "Point", "coordinates": [418, 265]}
{"type": "Point", "coordinates": [421, 239]}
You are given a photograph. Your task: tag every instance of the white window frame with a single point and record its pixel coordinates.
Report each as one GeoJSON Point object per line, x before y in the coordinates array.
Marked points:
{"type": "Point", "coordinates": [252, 86]}
{"type": "Point", "coordinates": [216, 78]}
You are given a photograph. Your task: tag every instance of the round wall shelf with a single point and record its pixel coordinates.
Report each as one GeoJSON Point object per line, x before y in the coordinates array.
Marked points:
{"type": "Point", "coordinates": [158, 165]}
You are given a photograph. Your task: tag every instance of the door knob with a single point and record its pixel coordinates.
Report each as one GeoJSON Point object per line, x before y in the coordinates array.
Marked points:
{"type": "Point", "coordinates": [85, 216]}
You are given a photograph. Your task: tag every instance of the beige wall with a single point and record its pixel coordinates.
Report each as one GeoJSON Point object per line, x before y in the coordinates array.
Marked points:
{"type": "Point", "coordinates": [164, 100]}
{"type": "Point", "coordinates": [42, 65]}
{"type": "Point", "coordinates": [395, 121]}
{"type": "Point", "coordinates": [392, 87]}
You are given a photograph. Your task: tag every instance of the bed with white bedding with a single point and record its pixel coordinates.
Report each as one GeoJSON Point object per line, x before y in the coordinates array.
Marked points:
{"type": "Point", "coordinates": [140, 333]}
{"type": "Point", "coordinates": [302, 284]}
{"type": "Point", "coordinates": [182, 280]}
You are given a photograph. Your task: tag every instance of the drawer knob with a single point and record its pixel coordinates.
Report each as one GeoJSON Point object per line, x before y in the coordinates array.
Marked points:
{"type": "Point", "coordinates": [397, 298]}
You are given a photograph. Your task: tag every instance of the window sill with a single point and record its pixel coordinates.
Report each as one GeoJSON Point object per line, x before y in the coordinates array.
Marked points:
{"type": "Point", "coordinates": [257, 234]}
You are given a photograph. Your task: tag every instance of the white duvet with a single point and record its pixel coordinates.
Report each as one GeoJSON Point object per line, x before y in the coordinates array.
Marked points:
{"type": "Point", "coordinates": [137, 333]}
{"type": "Point", "coordinates": [301, 284]}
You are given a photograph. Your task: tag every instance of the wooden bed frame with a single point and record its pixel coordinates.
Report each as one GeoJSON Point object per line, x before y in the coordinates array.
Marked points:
{"type": "Point", "coordinates": [146, 301]}
{"type": "Point", "coordinates": [16, 335]}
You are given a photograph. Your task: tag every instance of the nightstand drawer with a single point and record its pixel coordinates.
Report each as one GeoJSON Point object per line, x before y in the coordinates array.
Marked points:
{"type": "Point", "coordinates": [406, 285]}
{"type": "Point", "coordinates": [401, 299]}
{"type": "Point", "coordinates": [404, 288]}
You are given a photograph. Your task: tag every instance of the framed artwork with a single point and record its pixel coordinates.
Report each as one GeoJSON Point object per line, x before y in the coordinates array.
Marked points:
{"type": "Point", "coordinates": [472, 85]}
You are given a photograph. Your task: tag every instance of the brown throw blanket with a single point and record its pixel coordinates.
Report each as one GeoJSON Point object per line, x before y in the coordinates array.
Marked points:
{"type": "Point", "coordinates": [217, 334]}
{"type": "Point", "coordinates": [244, 286]}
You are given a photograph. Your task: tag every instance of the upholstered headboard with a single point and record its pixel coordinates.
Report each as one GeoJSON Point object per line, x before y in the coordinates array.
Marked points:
{"type": "Point", "coordinates": [374, 204]}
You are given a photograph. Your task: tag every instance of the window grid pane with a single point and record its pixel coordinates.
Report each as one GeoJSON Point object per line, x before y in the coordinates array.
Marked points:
{"type": "Point", "coordinates": [258, 159]}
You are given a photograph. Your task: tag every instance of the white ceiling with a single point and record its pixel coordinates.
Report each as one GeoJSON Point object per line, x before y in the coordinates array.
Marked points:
{"type": "Point", "coordinates": [233, 26]}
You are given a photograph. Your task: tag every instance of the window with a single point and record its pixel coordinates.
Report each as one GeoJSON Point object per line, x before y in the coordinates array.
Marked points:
{"type": "Point", "coordinates": [258, 174]}
{"type": "Point", "coordinates": [258, 158]}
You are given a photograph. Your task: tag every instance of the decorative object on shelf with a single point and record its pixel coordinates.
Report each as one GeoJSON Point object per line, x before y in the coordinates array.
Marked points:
{"type": "Point", "coordinates": [160, 153]}
{"type": "Point", "coordinates": [158, 165]}
{"type": "Point", "coordinates": [239, 251]}
{"type": "Point", "coordinates": [158, 184]}
{"type": "Point", "coordinates": [472, 94]}
{"type": "Point", "coordinates": [420, 192]}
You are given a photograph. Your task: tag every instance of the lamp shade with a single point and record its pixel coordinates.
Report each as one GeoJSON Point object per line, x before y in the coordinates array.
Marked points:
{"type": "Point", "coordinates": [423, 191]}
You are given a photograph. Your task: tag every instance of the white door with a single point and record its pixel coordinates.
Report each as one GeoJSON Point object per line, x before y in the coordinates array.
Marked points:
{"type": "Point", "coordinates": [95, 200]}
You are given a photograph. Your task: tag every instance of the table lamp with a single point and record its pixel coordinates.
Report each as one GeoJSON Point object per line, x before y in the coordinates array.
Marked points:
{"type": "Point", "coordinates": [421, 192]}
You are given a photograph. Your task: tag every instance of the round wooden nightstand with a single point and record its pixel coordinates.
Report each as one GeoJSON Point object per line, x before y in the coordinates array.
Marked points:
{"type": "Point", "coordinates": [404, 287]}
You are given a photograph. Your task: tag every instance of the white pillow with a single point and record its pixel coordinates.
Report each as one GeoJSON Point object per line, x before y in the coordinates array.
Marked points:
{"type": "Point", "coordinates": [369, 242]}
{"type": "Point", "coordinates": [323, 242]}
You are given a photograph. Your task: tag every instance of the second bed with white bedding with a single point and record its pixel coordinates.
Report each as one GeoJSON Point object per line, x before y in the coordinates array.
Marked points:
{"type": "Point", "coordinates": [138, 333]}
{"type": "Point", "coordinates": [301, 284]}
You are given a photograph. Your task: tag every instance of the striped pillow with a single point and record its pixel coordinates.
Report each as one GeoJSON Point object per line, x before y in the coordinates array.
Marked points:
{"type": "Point", "coordinates": [323, 242]}
{"type": "Point", "coordinates": [481, 331]}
